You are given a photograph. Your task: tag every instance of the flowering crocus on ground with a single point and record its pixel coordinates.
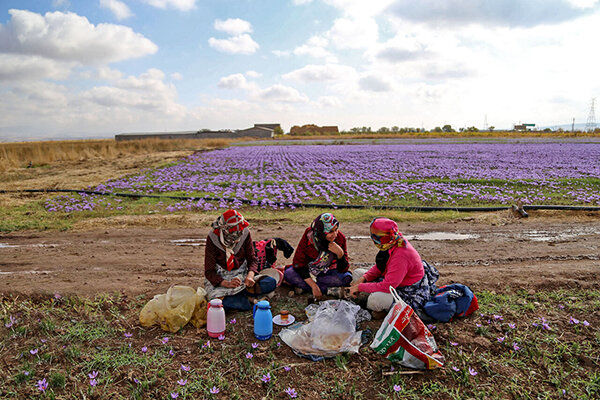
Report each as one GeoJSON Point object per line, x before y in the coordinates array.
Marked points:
{"type": "Point", "coordinates": [291, 392]}
{"type": "Point", "coordinates": [185, 368]}
{"type": "Point", "coordinates": [214, 390]}
{"type": "Point", "coordinates": [249, 355]}
{"type": "Point", "coordinates": [42, 385]}
{"type": "Point", "coordinates": [433, 173]}
{"type": "Point", "coordinates": [182, 382]}
{"type": "Point", "coordinates": [266, 378]}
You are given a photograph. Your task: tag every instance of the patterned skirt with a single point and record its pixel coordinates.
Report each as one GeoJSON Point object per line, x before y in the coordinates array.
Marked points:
{"type": "Point", "coordinates": [419, 293]}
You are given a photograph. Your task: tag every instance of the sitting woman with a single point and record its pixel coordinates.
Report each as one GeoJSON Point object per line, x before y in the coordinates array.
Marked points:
{"type": "Point", "coordinates": [397, 265]}
{"type": "Point", "coordinates": [230, 263]}
{"type": "Point", "coordinates": [321, 253]}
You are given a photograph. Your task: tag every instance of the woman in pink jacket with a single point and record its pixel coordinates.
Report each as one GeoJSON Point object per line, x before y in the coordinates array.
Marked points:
{"type": "Point", "coordinates": [398, 265]}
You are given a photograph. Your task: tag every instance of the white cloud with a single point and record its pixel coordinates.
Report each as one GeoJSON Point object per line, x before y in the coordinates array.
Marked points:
{"type": "Point", "coordinates": [315, 47]}
{"type": "Point", "coordinates": [281, 53]}
{"type": "Point", "coordinates": [25, 67]}
{"type": "Point", "coordinates": [320, 73]}
{"type": "Point", "coordinates": [301, 2]}
{"type": "Point", "coordinates": [281, 93]}
{"type": "Point", "coordinates": [353, 33]}
{"type": "Point", "coordinates": [524, 13]}
{"type": "Point", "coordinates": [374, 84]}
{"type": "Point", "coordinates": [253, 74]}
{"type": "Point", "coordinates": [241, 44]}
{"type": "Point", "coordinates": [61, 3]}
{"type": "Point", "coordinates": [70, 37]}
{"type": "Point", "coordinates": [182, 5]}
{"type": "Point", "coordinates": [234, 81]}
{"type": "Point", "coordinates": [108, 74]}
{"type": "Point", "coordinates": [233, 26]}
{"type": "Point", "coordinates": [328, 101]}
{"type": "Point", "coordinates": [176, 76]}
{"type": "Point", "coordinates": [118, 8]}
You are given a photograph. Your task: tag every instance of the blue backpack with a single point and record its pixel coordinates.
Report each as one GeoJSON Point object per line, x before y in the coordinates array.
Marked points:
{"type": "Point", "coordinates": [451, 301]}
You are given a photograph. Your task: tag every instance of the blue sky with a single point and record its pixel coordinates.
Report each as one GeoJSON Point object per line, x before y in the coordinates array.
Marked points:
{"type": "Point", "coordinates": [100, 67]}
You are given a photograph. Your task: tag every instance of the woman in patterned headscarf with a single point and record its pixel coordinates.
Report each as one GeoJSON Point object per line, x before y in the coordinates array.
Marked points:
{"type": "Point", "coordinates": [230, 263]}
{"type": "Point", "coordinates": [320, 264]}
{"type": "Point", "coordinates": [398, 265]}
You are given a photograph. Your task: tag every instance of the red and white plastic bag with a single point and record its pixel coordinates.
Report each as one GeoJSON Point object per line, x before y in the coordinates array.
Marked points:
{"type": "Point", "coordinates": [404, 338]}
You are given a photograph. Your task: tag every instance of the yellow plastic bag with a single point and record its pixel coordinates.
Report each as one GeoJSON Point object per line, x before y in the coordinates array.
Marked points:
{"type": "Point", "coordinates": [175, 309]}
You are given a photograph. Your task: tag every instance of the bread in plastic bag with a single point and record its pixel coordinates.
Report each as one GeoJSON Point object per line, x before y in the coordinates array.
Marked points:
{"type": "Point", "coordinates": [331, 331]}
{"type": "Point", "coordinates": [175, 309]}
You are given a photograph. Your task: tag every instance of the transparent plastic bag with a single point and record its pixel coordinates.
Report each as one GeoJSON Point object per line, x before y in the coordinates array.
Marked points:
{"type": "Point", "coordinates": [331, 331]}
{"type": "Point", "coordinates": [175, 309]}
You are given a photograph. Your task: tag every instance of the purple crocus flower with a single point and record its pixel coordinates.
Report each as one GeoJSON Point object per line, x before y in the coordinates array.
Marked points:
{"type": "Point", "coordinates": [455, 369]}
{"type": "Point", "coordinates": [397, 388]}
{"type": "Point", "coordinates": [573, 321]}
{"type": "Point", "coordinates": [214, 390]}
{"type": "Point", "coordinates": [232, 321]}
{"type": "Point", "coordinates": [512, 326]}
{"type": "Point", "coordinates": [34, 351]}
{"type": "Point", "coordinates": [207, 344]}
{"type": "Point", "coordinates": [291, 392]}
{"type": "Point", "coordinates": [562, 307]}
{"type": "Point", "coordinates": [287, 368]}
{"type": "Point", "coordinates": [453, 344]}
{"type": "Point", "coordinates": [57, 296]}
{"type": "Point", "coordinates": [164, 340]}
{"type": "Point", "coordinates": [11, 322]}
{"type": "Point", "coordinates": [127, 334]}
{"type": "Point", "coordinates": [42, 385]}
{"type": "Point", "coordinates": [431, 327]}
{"type": "Point", "coordinates": [93, 382]}
{"type": "Point", "coordinates": [185, 368]}
{"type": "Point", "coordinates": [501, 339]}
{"type": "Point", "coordinates": [26, 373]}
{"type": "Point", "coordinates": [472, 371]}
{"type": "Point", "coordinates": [498, 317]}
{"type": "Point", "coordinates": [585, 323]}
{"type": "Point", "coordinates": [171, 352]}
{"type": "Point", "coordinates": [93, 374]}
{"type": "Point", "coordinates": [221, 337]}
{"type": "Point", "coordinates": [254, 345]}
{"type": "Point", "coordinates": [144, 349]}
{"type": "Point", "coordinates": [182, 382]}
{"type": "Point", "coordinates": [249, 355]}
{"type": "Point", "coordinates": [516, 346]}
{"type": "Point", "coordinates": [266, 378]}
{"type": "Point", "coordinates": [174, 395]}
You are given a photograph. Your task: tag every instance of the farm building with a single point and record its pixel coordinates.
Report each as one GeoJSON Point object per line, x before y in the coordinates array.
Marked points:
{"type": "Point", "coordinates": [257, 131]}
{"type": "Point", "coordinates": [314, 129]}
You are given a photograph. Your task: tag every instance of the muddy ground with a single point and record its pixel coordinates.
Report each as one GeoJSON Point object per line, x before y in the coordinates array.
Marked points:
{"type": "Point", "coordinates": [545, 251]}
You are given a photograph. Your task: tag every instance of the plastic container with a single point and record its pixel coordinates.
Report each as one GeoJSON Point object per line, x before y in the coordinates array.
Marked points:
{"type": "Point", "coordinates": [215, 318]}
{"type": "Point", "coordinates": [263, 320]}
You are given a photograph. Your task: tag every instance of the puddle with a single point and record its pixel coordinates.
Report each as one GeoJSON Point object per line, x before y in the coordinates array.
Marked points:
{"type": "Point", "coordinates": [189, 242]}
{"type": "Point", "coordinates": [430, 236]}
{"type": "Point", "coordinates": [7, 246]}
{"type": "Point", "coordinates": [442, 236]}
{"type": "Point", "coordinates": [547, 236]}
{"type": "Point", "coordinates": [24, 272]}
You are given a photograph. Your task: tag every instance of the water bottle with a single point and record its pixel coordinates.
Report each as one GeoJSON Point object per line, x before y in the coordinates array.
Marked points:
{"type": "Point", "coordinates": [263, 320]}
{"type": "Point", "coordinates": [215, 318]}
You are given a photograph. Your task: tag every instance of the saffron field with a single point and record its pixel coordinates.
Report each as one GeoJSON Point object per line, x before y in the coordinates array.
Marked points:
{"type": "Point", "coordinates": [439, 173]}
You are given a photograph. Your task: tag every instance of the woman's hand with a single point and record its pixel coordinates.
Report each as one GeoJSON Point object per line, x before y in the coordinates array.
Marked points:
{"type": "Point", "coordinates": [316, 291]}
{"type": "Point", "coordinates": [249, 281]}
{"type": "Point", "coordinates": [235, 282]}
{"type": "Point", "coordinates": [353, 291]}
{"type": "Point", "coordinates": [336, 249]}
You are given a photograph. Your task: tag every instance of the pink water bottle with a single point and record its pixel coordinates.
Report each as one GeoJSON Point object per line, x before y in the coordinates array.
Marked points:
{"type": "Point", "coordinates": [215, 318]}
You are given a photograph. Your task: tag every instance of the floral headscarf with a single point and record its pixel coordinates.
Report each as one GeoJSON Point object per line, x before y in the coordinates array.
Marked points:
{"type": "Point", "coordinates": [230, 227]}
{"type": "Point", "coordinates": [320, 227]}
{"type": "Point", "coordinates": [385, 234]}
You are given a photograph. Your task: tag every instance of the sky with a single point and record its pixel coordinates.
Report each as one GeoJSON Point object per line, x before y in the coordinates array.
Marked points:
{"type": "Point", "coordinates": [95, 68]}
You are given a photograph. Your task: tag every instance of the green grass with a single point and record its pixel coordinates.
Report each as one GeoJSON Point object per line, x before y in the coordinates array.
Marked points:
{"type": "Point", "coordinates": [76, 336]}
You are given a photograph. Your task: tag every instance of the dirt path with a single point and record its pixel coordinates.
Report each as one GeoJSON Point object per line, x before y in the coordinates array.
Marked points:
{"type": "Point", "coordinates": [531, 254]}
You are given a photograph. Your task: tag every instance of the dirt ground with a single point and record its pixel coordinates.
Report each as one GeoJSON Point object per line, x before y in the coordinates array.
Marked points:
{"type": "Point", "coordinates": [545, 251]}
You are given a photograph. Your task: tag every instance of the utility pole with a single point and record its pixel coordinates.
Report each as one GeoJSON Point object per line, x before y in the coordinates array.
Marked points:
{"type": "Point", "coordinates": [590, 126]}
{"type": "Point", "coordinates": [485, 123]}
{"type": "Point", "coordinates": [573, 126]}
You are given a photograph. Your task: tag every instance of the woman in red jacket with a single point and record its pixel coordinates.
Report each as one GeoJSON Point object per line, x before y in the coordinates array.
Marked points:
{"type": "Point", "coordinates": [230, 263]}
{"type": "Point", "coordinates": [321, 254]}
{"type": "Point", "coordinates": [398, 265]}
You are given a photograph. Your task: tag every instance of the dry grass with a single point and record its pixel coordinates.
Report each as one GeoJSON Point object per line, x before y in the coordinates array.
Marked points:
{"type": "Point", "coordinates": [23, 154]}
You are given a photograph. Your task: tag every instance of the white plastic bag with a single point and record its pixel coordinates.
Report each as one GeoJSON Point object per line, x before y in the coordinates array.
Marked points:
{"type": "Point", "coordinates": [175, 309]}
{"type": "Point", "coordinates": [332, 330]}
